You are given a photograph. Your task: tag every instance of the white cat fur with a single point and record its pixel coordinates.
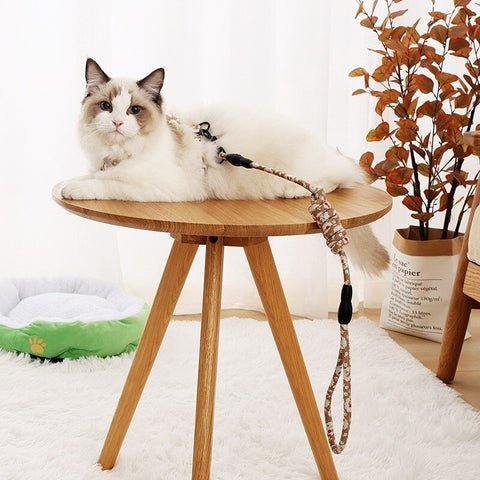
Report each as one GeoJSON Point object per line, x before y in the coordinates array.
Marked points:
{"type": "Point", "coordinates": [162, 160]}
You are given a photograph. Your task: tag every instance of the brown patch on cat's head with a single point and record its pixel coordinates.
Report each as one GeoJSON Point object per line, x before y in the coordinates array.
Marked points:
{"type": "Point", "coordinates": [150, 111]}
{"type": "Point", "coordinates": [144, 93]}
{"type": "Point", "coordinates": [91, 102]}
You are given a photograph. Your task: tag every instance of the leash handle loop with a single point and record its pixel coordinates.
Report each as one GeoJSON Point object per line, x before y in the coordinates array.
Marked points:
{"type": "Point", "coordinates": [342, 367]}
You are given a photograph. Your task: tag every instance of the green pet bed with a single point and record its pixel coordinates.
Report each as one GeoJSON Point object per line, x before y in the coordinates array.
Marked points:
{"type": "Point", "coordinates": [66, 317]}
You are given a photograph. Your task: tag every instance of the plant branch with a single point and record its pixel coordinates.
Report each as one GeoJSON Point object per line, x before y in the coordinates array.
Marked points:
{"type": "Point", "coordinates": [465, 205]}
{"type": "Point", "coordinates": [416, 191]}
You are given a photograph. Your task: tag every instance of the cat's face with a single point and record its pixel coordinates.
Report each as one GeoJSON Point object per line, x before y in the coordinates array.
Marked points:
{"type": "Point", "coordinates": [117, 110]}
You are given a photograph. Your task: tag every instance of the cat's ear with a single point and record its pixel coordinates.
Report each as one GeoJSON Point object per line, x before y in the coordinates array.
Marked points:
{"type": "Point", "coordinates": [94, 76]}
{"type": "Point", "coordinates": [153, 83]}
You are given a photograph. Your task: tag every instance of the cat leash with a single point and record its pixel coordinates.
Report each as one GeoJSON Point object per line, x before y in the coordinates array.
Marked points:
{"type": "Point", "coordinates": [335, 236]}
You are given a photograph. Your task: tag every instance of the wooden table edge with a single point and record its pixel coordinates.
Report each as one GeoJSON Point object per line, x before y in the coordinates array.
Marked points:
{"type": "Point", "coordinates": [217, 229]}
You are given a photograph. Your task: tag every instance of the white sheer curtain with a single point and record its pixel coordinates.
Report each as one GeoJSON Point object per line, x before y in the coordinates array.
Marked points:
{"type": "Point", "coordinates": [290, 56]}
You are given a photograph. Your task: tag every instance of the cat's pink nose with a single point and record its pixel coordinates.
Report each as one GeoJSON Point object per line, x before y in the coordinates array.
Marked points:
{"type": "Point", "coordinates": [117, 123]}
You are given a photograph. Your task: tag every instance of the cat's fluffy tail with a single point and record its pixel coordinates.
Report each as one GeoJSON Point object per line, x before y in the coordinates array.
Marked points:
{"type": "Point", "coordinates": [366, 252]}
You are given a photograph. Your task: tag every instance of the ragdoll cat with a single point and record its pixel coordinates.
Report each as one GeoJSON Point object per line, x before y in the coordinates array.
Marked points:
{"type": "Point", "coordinates": [137, 152]}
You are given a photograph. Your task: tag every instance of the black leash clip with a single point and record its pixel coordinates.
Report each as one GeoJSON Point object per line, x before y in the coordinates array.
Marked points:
{"type": "Point", "coordinates": [205, 131]}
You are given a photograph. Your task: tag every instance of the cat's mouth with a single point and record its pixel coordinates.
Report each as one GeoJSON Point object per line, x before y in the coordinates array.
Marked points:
{"type": "Point", "coordinates": [116, 132]}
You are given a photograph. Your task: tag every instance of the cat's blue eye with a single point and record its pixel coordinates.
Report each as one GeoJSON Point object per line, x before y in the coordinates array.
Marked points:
{"type": "Point", "coordinates": [134, 109]}
{"type": "Point", "coordinates": [106, 106]}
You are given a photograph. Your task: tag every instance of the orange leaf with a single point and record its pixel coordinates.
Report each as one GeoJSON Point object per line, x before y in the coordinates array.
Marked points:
{"type": "Point", "coordinates": [385, 167]}
{"type": "Point", "coordinates": [399, 154]}
{"type": "Point", "coordinates": [358, 72]}
{"type": "Point", "coordinates": [359, 91]}
{"type": "Point", "coordinates": [476, 32]}
{"type": "Point", "coordinates": [395, 190]}
{"type": "Point", "coordinates": [459, 176]}
{"type": "Point", "coordinates": [405, 135]}
{"type": "Point", "coordinates": [443, 202]}
{"type": "Point", "coordinates": [461, 3]}
{"type": "Point", "coordinates": [372, 136]}
{"type": "Point", "coordinates": [431, 194]}
{"type": "Point", "coordinates": [423, 169]}
{"type": "Point", "coordinates": [398, 33]}
{"type": "Point", "coordinates": [398, 13]}
{"type": "Point", "coordinates": [412, 107]}
{"type": "Point", "coordinates": [407, 131]}
{"type": "Point", "coordinates": [462, 52]}
{"type": "Point", "coordinates": [400, 111]}
{"type": "Point", "coordinates": [459, 30]}
{"type": "Point", "coordinates": [413, 56]}
{"type": "Point", "coordinates": [463, 100]}
{"type": "Point", "coordinates": [457, 43]}
{"type": "Point", "coordinates": [383, 72]}
{"type": "Point", "coordinates": [383, 129]}
{"type": "Point", "coordinates": [460, 17]}
{"type": "Point", "coordinates": [428, 108]}
{"type": "Point", "coordinates": [440, 151]}
{"type": "Point", "coordinates": [366, 160]}
{"type": "Point", "coordinates": [401, 175]}
{"type": "Point", "coordinates": [378, 133]}
{"type": "Point", "coordinates": [443, 120]}
{"type": "Point", "coordinates": [448, 91]}
{"type": "Point", "coordinates": [423, 83]}
{"type": "Point", "coordinates": [445, 78]}
{"type": "Point", "coordinates": [432, 55]}
{"type": "Point", "coordinates": [369, 22]}
{"type": "Point", "coordinates": [424, 216]}
{"type": "Point", "coordinates": [438, 15]}
{"type": "Point", "coordinates": [418, 150]}
{"type": "Point", "coordinates": [439, 33]}
{"type": "Point", "coordinates": [360, 9]}
{"type": "Point", "coordinates": [413, 202]}
{"type": "Point", "coordinates": [380, 107]}
{"type": "Point", "coordinates": [454, 135]}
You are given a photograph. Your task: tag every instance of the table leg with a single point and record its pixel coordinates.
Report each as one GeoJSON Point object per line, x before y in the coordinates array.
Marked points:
{"type": "Point", "coordinates": [266, 278]}
{"type": "Point", "coordinates": [207, 368]}
{"type": "Point", "coordinates": [171, 284]}
{"type": "Point", "coordinates": [456, 323]}
{"type": "Point", "coordinates": [459, 309]}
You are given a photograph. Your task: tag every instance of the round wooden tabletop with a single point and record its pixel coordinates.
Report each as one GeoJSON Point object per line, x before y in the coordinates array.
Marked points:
{"type": "Point", "coordinates": [232, 218]}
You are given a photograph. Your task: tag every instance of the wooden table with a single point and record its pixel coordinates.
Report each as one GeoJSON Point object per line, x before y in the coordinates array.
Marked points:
{"type": "Point", "coordinates": [219, 223]}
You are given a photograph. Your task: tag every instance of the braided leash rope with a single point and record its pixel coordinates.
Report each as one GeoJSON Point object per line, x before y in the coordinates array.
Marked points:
{"type": "Point", "coordinates": [335, 236]}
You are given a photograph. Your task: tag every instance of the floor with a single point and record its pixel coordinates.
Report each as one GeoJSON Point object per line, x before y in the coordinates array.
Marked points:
{"type": "Point", "coordinates": [467, 379]}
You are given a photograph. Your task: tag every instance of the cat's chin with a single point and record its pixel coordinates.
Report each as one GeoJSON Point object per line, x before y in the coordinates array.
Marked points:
{"type": "Point", "coordinates": [116, 134]}
{"type": "Point", "coordinates": [115, 138]}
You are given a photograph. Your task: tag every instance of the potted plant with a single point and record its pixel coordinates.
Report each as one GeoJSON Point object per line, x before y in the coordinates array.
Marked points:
{"type": "Point", "coordinates": [426, 89]}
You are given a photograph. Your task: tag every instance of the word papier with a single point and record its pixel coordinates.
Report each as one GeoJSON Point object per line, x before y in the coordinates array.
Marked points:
{"type": "Point", "coordinates": [417, 294]}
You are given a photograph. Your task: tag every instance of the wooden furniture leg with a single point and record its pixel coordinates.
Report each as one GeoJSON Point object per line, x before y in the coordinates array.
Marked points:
{"type": "Point", "coordinates": [207, 367]}
{"type": "Point", "coordinates": [459, 309]}
{"type": "Point", "coordinates": [266, 278]}
{"type": "Point", "coordinates": [456, 323]}
{"type": "Point", "coordinates": [171, 284]}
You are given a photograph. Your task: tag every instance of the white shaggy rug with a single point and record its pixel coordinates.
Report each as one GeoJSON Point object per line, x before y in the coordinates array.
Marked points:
{"type": "Point", "coordinates": [406, 424]}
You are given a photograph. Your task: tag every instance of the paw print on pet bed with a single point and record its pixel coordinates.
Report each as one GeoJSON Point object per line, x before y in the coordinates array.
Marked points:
{"type": "Point", "coordinates": [68, 317]}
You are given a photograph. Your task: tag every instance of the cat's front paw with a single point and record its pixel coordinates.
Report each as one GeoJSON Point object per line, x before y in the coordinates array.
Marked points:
{"type": "Point", "coordinates": [79, 190]}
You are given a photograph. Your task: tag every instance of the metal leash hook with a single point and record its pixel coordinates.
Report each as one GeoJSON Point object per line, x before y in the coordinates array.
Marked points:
{"type": "Point", "coordinates": [335, 236]}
